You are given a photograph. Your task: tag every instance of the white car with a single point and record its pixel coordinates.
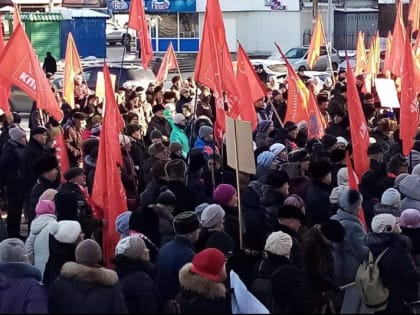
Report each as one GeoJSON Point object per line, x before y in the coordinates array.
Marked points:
{"type": "Point", "coordinates": [117, 34]}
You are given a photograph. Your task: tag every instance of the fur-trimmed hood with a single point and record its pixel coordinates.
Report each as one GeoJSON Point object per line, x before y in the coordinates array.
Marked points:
{"type": "Point", "coordinates": [92, 275]}
{"type": "Point", "coordinates": [195, 283]}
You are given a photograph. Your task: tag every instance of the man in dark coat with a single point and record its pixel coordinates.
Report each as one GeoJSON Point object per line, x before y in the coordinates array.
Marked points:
{"type": "Point", "coordinates": [317, 199]}
{"type": "Point", "coordinates": [175, 254]}
{"type": "Point", "coordinates": [158, 153]}
{"type": "Point", "coordinates": [50, 64]}
{"type": "Point", "coordinates": [11, 178]}
{"type": "Point", "coordinates": [160, 123]}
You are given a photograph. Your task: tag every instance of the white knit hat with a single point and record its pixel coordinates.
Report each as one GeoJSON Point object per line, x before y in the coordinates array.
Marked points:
{"type": "Point", "coordinates": [383, 223]}
{"type": "Point", "coordinates": [391, 197]}
{"type": "Point", "coordinates": [279, 243]}
{"type": "Point", "coordinates": [212, 215]}
{"type": "Point", "coordinates": [343, 177]}
{"type": "Point", "coordinates": [416, 170]}
{"type": "Point", "coordinates": [66, 231]}
{"type": "Point", "coordinates": [277, 148]}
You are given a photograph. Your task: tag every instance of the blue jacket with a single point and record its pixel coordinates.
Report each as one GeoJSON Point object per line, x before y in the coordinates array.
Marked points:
{"type": "Point", "coordinates": [20, 291]}
{"type": "Point", "coordinates": [351, 252]}
{"type": "Point", "coordinates": [172, 257]}
{"type": "Point", "coordinates": [178, 135]}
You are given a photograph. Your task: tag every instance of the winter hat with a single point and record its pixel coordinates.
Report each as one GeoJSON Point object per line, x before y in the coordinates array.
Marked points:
{"type": "Point", "coordinates": [289, 126]}
{"type": "Point", "coordinates": [12, 250]}
{"type": "Point", "coordinates": [200, 208]}
{"type": "Point", "coordinates": [175, 169]}
{"type": "Point", "coordinates": [383, 223]}
{"type": "Point", "coordinates": [209, 264]}
{"type": "Point", "coordinates": [66, 231]}
{"type": "Point", "coordinates": [328, 141]}
{"type": "Point", "coordinates": [277, 178]}
{"type": "Point", "coordinates": [277, 148]}
{"type": "Point", "coordinates": [410, 218]}
{"type": "Point", "coordinates": [265, 158]}
{"type": "Point", "coordinates": [319, 169]}
{"type": "Point", "coordinates": [49, 194]}
{"type": "Point", "coordinates": [46, 163]}
{"type": "Point", "coordinates": [166, 197]}
{"type": "Point", "coordinates": [121, 223]}
{"type": "Point", "coordinates": [333, 230]}
{"type": "Point", "coordinates": [131, 247]}
{"type": "Point", "coordinates": [416, 170]}
{"type": "Point", "coordinates": [278, 243]}
{"type": "Point", "coordinates": [223, 194]}
{"type": "Point", "coordinates": [145, 220]}
{"type": "Point", "coordinates": [88, 252]}
{"type": "Point", "coordinates": [45, 207]}
{"type": "Point", "coordinates": [197, 160]}
{"type": "Point", "coordinates": [409, 187]}
{"type": "Point", "coordinates": [350, 200]}
{"type": "Point", "coordinates": [337, 155]}
{"type": "Point", "coordinates": [399, 179]}
{"type": "Point", "coordinates": [157, 108]}
{"type": "Point", "coordinates": [298, 155]}
{"type": "Point", "coordinates": [186, 222]}
{"type": "Point", "coordinates": [156, 148]}
{"type": "Point", "coordinates": [375, 148]}
{"type": "Point", "coordinates": [175, 147]}
{"type": "Point", "coordinates": [66, 205]}
{"type": "Point", "coordinates": [295, 200]}
{"type": "Point", "coordinates": [343, 177]}
{"type": "Point", "coordinates": [16, 133]}
{"type": "Point", "coordinates": [204, 131]}
{"type": "Point", "coordinates": [178, 118]}
{"type": "Point", "coordinates": [212, 216]}
{"type": "Point", "coordinates": [263, 126]}
{"type": "Point", "coordinates": [391, 197]}
{"type": "Point", "coordinates": [38, 130]}
{"type": "Point", "coordinates": [291, 212]}
{"type": "Point", "coordinates": [342, 140]}
{"type": "Point", "coordinates": [72, 173]}
{"type": "Point", "coordinates": [155, 134]}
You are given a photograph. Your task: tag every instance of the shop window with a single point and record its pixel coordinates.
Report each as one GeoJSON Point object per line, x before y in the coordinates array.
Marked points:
{"type": "Point", "coordinates": [168, 25]}
{"type": "Point", "coordinates": [188, 25]}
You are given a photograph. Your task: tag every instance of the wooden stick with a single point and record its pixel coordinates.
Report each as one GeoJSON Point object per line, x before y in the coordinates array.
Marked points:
{"type": "Point", "coordinates": [238, 189]}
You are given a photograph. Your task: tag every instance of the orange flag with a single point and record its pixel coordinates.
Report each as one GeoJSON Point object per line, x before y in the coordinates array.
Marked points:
{"type": "Point", "coordinates": [298, 94]}
{"type": "Point", "coordinates": [108, 193]}
{"type": "Point", "coordinates": [317, 39]}
{"type": "Point", "coordinates": [4, 84]}
{"type": "Point", "coordinates": [354, 184]}
{"type": "Point", "coordinates": [214, 67]}
{"type": "Point", "coordinates": [409, 115]}
{"type": "Point", "coordinates": [315, 125]}
{"type": "Point", "coordinates": [169, 63]}
{"type": "Point", "coordinates": [72, 67]}
{"type": "Point", "coordinates": [358, 127]}
{"type": "Point", "coordinates": [397, 47]}
{"type": "Point", "coordinates": [361, 59]}
{"type": "Point", "coordinates": [387, 61]}
{"type": "Point", "coordinates": [61, 154]}
{"type": "Point", "coordinates": [19, 65]}
{"type": "Point", "coordinates": [251, 88]}
{"type": "Point", "coordinates": [414, 15]}
{"type": "Point", "coordinates": [137, 21]}
{"type": "Point", "coordinates": [16, 16]}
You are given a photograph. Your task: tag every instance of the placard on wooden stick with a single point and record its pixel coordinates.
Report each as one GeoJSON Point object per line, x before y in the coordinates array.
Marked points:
{"type": "Point", "coordinates": [387, 93]}
{"type": "Point", "coordinates": [239, 138]}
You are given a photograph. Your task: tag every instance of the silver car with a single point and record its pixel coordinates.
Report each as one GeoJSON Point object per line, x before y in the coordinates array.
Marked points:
{"type": "Point", "coordinates": [297, 57]}
{"type": "Point", "coordinates": [116, 34]}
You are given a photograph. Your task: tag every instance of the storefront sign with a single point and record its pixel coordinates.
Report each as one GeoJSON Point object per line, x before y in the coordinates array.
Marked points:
{"type": "Point", "coordinates": [275, 4]}
{"type": "Point", "coordinates": [153, 6]}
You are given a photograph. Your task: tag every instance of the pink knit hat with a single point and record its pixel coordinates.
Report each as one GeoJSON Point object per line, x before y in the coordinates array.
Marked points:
{"type": "Point", "coordinates": [223, 194]}
{"type": "Point", "coordinates": [410, 218]}
{"type": "Point", "coordinates": [45, 207]}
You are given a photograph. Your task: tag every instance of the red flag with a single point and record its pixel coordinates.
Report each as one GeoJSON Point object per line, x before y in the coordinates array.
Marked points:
{"type": "Point", "coordinates": [397, 47]}
{"type": "Point", "coordinates": [315, 125]}
{"type": "Point", "coordinates": [251, 88]}
{"type": "Point", "coordinates": [317, 39]}
{"type": "Point", "coordinates": [358, 127]}
{"type": "Point", "coordinates": [108, 192]}
{"type": "Point", "coordinates": [137, 21]}
{"type": "Point", "coordinates": [72, 67]}
{"type": "Point", "coordinates": [298, 94]}
{"type": "Point", "coordinates": [387, 61]}
{"type": "Point", "coordinates": [169, 63]}
{"type": "Point", "coordinates": [16, 17]}
{"type": "Point", "coordinates": [20, 66]}
{"type": "Point", "coordinates": [61, 154]}
{"type": "Point", "coordinates": [414, 15]}
{"type": "Point", "coordinates": [214, 66]}
{"type": "Point", "coordinates": [4, 84]}
{"type": "Point", "coordinates": [409, 115]}
{"type": "Point", "coordinates": [354, 184]}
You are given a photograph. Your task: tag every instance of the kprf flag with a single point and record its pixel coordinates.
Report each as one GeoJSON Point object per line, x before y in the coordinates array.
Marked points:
{"type": "Point", "coordinates": [72, 67]}
{"type": "Point", "coordinates": [398, 39]}
{"type": "Point", "coordinates": [317, 39]}
{"type": "Point", "coordinates": [169, 63]}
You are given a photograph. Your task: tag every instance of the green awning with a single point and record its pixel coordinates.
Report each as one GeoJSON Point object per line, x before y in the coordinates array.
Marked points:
{"type": "Point", "coordinates": [36, 16]}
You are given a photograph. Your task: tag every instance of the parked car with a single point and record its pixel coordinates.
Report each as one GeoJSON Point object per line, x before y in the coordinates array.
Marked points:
{"type": "Point", "coordinates": [271, 67]}
{"type": "Point", "coordinates": [297, 57]}
{"type": "Point", "coordinates": [117, 34]}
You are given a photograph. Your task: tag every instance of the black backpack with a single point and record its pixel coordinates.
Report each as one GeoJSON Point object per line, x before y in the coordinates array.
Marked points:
{"type": "Point", "coordinates": [262, 288]}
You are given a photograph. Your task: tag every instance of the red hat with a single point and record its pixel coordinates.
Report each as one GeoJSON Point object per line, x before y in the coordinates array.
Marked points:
{"type": "Point", "coordinates": [209, 264]}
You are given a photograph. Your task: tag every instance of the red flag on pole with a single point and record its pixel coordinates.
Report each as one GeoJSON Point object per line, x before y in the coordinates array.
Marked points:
{"type": "Point", "coordinates": [61, 154]}
{"type": "Point", "coordinates": [72, 67]}
{"type": "Point", "coordinates": [169, 63]}
{"type": "Point", "coordinates": [251, 88]}
{"type": "Point", "coordinates": [20, 66]}
{"type": "Point", "coordinates": [317, 39]}
{"type": "Point", "coordinates": [409, 115]}
{"type": "Point", "coordinates": [414, 15]}
{"type": "Point", "coordinates": [4, 84]}
{"type": "Point", "coordinates": [137, 21]}
{"type": "Point", "coordinates": [214, 67]}
{"type": "Point", "coordinates": [354, 184]}
{"type": "Point", "coordinates": [315, 125]}
{"type": "Point", "coordinates": [358, 127]}
{"type": "Point", "coordinates": [397, 47]}
{"type": "Point", "coordinates": [108, 193]}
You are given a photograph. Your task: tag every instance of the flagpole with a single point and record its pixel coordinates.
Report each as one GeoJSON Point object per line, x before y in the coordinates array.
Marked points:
{"type": "Point", "coordinates": [238, 187]}
{"type": "Point", "coordinates": [192, 129]}
{"type": "Point", "coordinates": [275, 112]}
{"type": "Point", "coordinates": [123, 56]}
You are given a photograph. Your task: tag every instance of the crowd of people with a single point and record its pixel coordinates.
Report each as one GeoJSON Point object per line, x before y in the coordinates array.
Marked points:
{"type": "Point", "coordinates": [180, 235]}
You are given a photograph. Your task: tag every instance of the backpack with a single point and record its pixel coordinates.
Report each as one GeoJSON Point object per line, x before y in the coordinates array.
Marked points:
{"type": "Point", "coordinates": [368, 279]}
{"type": "Point", "coordinates": [261, 288]}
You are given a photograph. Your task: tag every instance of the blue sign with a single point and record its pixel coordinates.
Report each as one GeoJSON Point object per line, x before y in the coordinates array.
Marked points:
{"type": "Point", "coordinates": [154, 6]}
